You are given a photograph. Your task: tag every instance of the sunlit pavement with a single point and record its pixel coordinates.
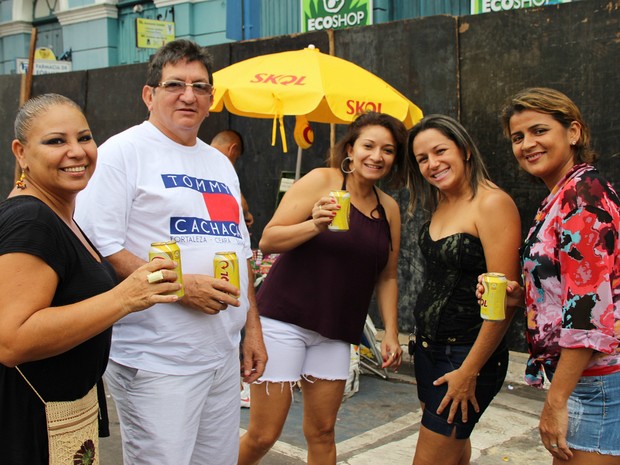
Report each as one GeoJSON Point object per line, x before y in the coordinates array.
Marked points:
{"type": "Point", "coordinates": [380, 423]}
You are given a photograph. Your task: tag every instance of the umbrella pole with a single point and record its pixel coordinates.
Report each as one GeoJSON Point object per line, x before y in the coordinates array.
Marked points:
{"type": "Point", "coordinates": [298, 165]}
{"type": "Point", "coordinates": [332, 126]}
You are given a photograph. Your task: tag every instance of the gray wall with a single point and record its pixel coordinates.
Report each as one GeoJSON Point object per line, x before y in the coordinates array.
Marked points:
{"type": "Point", "coordinates": [461, 66]}
{"type": "Point", "coordinates": [573, 48]}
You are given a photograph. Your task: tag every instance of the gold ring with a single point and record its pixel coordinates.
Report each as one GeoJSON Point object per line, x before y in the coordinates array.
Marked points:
{"type": "Point", "coordinates": [155, 277]}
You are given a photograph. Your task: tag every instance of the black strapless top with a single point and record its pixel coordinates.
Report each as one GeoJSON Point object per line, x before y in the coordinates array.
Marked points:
{"type": "Point", "coordinates": [447, 310]}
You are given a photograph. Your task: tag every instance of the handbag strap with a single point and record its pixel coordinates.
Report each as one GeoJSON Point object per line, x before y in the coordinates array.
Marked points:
{"type": "Point", "coordinates": [29, 384]}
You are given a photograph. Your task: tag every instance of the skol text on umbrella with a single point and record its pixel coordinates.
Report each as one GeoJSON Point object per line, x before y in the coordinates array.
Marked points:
{"type": "Point", "coordinates": [284, 80]}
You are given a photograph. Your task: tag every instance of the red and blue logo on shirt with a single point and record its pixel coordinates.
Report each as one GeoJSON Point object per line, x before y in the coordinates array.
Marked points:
{"type": "Point", "coordinates": [221, 205]}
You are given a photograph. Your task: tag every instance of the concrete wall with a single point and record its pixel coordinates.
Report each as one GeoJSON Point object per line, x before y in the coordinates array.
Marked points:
{"type": "Point", "coordinates": [464, 67]}
{"type": "Point", "coordinates": [573, 48]}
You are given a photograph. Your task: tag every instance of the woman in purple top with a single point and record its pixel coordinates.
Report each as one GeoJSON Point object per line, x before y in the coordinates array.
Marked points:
{"type": "Point", "coordinates": [314, 302]}
{"type": "Point", "coordinates": [571, 272]}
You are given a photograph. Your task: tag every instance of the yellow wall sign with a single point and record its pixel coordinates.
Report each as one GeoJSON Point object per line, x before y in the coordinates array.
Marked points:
{"type": "Point", "coordinates": [151, 33]}
{"type": "Point", "coordinates": [44, 53]}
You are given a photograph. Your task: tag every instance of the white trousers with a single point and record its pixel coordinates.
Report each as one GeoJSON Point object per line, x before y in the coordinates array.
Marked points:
{"type": "Point", "coordinates": [177, 420]}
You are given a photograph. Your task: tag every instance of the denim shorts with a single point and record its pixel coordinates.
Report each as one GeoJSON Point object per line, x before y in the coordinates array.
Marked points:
{"type": "Point", "coordinates": [594, 415]}
{"type": "Point", "coordinates": [432, 361]}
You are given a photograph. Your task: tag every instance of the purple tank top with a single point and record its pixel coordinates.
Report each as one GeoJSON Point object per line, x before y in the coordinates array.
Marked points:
{"type": "Point", "coordinates": [326, 283]}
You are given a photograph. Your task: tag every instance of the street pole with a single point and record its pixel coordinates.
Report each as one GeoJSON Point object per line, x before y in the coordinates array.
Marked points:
{"type": "Point", "coordinates": [26, 84]}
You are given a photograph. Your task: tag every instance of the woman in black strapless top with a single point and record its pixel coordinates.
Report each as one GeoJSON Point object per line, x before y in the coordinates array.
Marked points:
{"type": "Point", "coordinates": [460, 360]}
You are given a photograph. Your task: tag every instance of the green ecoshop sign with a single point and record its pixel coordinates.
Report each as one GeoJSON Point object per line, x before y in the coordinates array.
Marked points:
{"type": "Point", "coordinates": [488, 6]}
{"type": "Point", "coordinates": [317, 15]}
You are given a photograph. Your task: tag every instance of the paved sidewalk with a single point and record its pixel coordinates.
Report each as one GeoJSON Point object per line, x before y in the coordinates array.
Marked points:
{"type": "Point", "coordinates": [380, 423]}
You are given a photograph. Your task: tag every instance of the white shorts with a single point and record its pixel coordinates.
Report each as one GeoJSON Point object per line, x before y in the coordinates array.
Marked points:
{"type": "Point", "coordinates": [295, 352]}
{"type": "Point", "coordinates": [178, 419]}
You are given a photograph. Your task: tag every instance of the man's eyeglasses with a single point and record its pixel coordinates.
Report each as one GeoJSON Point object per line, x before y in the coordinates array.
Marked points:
{"type": "Point", "coordinates": [178, 87]}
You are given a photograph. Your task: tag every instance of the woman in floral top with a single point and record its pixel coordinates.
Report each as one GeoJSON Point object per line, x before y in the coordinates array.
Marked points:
{"type": "Point", "coordinates": [571, 273]}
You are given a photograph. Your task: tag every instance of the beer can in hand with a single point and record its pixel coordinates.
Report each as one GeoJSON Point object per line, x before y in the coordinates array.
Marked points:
{"type": "Point", "coordinates": [493, 306]}
{"type": "Point", "coordinates": [340, 223]}
{"type": "Point", "coordinates": [226, 267]}
{"type": "Point", "coordinates": [171, 250]}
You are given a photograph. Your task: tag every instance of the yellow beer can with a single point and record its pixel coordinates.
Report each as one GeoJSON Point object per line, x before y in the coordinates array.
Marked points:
{"type": "Point", "coordinates": [340, 223]}
{"type": "Point", "coordinates": [493, 306]}
{"type": "Point", "coordinates": [226, 267]}
{"type": "Point", "coordinates": [171, 250]}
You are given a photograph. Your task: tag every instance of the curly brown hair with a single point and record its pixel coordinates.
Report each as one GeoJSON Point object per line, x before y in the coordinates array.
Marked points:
{"type": "Point", "coordinates": [398, 173]}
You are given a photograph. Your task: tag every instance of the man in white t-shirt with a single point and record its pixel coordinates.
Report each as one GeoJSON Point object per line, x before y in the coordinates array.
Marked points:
{"type": "Point", "coordinates": [174, 369]}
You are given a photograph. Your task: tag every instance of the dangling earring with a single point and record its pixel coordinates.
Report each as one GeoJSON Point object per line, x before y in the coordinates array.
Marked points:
{"type": "Point", "coordinates": [342, 166]}
{"type": "Point", "coordinates": [21, 182]}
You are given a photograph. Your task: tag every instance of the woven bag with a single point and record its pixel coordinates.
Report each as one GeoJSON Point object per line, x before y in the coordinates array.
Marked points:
{"type": "Point", "coordinates": [72, 429]}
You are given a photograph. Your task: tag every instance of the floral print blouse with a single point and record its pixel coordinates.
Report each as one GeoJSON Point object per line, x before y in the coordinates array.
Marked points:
{"type": "Point", "coordinates": [571, 272]}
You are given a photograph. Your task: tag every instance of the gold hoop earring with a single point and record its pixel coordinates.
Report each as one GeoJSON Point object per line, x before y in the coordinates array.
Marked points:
{"type": "Point", "coordinates": [342, 166]}
{"type": "Point", "coordinates": [21, 182]}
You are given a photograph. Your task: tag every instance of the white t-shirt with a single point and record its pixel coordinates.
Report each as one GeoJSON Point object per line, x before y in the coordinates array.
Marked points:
{"type": "Point", "coordinates": [147, 188]}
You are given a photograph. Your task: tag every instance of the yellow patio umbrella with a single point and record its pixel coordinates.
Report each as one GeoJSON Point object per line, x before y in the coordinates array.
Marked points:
{"type": "Point", "coordinates": [306, 83]}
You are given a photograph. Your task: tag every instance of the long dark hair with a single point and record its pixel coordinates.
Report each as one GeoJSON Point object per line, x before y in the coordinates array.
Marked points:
{"type": "Point", "coordinates": [420, 189]}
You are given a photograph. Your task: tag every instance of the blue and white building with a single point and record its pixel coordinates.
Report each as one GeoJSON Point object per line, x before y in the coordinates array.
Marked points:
{"type": "Point", "coordinates": [101, 33]}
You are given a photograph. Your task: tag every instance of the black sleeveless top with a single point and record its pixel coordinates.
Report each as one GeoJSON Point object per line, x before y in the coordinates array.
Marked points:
{"type": "Point", "coordinates": [29, 226]}
{"type": "Point", "coordinates": [446, 310]}
{"type": "Point", "coordinates": [325, 284]}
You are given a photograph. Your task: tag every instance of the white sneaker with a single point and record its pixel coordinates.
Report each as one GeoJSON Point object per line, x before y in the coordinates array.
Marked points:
{"type": "Point", "coordinates": [245, 395]}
